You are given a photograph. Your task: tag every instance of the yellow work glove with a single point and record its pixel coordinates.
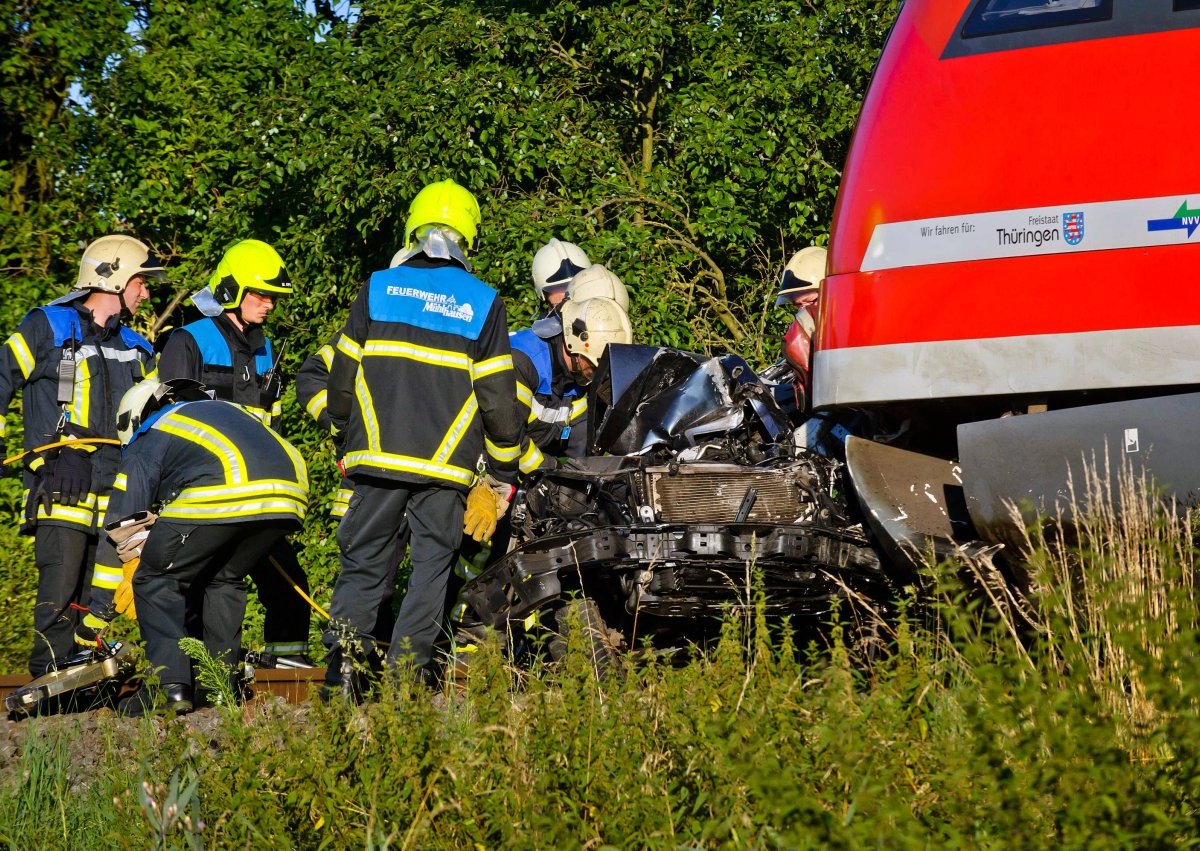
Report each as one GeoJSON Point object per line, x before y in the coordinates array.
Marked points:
{"type": "Point", "coordinates": [487, 502]}
{"type": "Point", "coordinates": [123, 597]}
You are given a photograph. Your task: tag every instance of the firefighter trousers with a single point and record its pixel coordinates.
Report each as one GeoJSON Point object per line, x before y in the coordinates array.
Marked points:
{"type": "Point", "coordinates": [205, 565]}
{"type": "Point", "coordinates": [64, 556]}
{"type": "Point", "coordinates": [285, 613]}
{"type": "Point", "coordinates": [378, 515]}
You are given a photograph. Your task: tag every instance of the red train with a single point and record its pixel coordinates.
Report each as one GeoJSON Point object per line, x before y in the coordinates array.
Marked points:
{"type": "Point", "coordinates": [1011, 275]}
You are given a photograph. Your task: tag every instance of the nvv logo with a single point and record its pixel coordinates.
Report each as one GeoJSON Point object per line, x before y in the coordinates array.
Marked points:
{"type": "Point", "coordinates": [1072, 228]}
{"type": "Point", "coordinates": [1184, 219]}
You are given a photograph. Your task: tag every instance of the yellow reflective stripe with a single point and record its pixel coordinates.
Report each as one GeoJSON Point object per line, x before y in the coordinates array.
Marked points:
{"type": "Point", "coordinates": [407, 464]}
{"type": "Point", "coordinates": [341, 502]}
{"type": "Point", "coordinates": [367, 405]}
{"type": "Point", "coordinates": [298, 465]}
{"type": "Point", "coordinates": [531, 459]}
{"type": "Point", "coordinates": [257, 488]}
{"type": "Point", "coordinates": [120, 482]}
{"type": "Point", "coordinates": [81, 403]}
{"type": "Point", "coordinates": [501, 453]}
{"type": "Point", "coordinates": [102, 505]}
{"type": "Point", "coordinates": [104, 576]}
{"type": "Point", "coordinates": [194, 431]}
{"type": "Point", "coordinates": [317, 404]}
{"type": "Point", "coordinates": [20, 350]}
{"type": "Point", "coordinates": [491, 366]}
{"type": "Point", "coordinates": [152, 375]}
{"type": "Point", "coordinates": [68, 513]}
{"type": "Point", "coordinates": [578, 408]}
{"type": "Point", "coordinates": [276, 408]}
{"type": "Point", "coordinates": [259, 414]}
{"type": "Point", "coordinates": [213, 511]}
{"type": "Point", "coordinates": [458, 428]}
{"type": "Point", "coordinates": [524, 395]}
{"type": "Point", "coordinates": [349, 348]}
{"type": "Point", "coordinates": [325, 355]}
{"type": "Point", "coordinates": [424, 354]}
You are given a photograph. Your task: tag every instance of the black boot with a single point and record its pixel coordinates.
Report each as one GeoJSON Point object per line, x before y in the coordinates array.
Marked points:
{"type": "Point", "coordinates": [349, 675]}
{"type": "Point", "coordinates": [142, 702]}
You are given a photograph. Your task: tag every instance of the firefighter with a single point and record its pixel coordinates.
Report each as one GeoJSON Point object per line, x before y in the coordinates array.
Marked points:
{"type": "Point", "coordinates": [800, 288]}
{"type": "Point", "coordinates": [72, 360]}
{"type": "Point", "coordinates": [312, 392]}
{"type": "Point", "coordinates": [420, 391]}
{"type": "Point", "coordinates": [214, 490]}
{"type": "Point", "coordinates": [552, 380]}
{"type": "Point", "coordinates": [228, 352]}
{"type": "Point", "coordinates": [554, 265]}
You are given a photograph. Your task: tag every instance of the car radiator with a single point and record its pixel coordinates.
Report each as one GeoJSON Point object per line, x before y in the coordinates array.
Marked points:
{"type": "Point", "coordinates": [714, 493]}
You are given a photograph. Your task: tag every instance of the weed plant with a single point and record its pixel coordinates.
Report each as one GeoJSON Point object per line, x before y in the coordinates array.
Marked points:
{"type": "Point", "coordinates": [1061, 713]}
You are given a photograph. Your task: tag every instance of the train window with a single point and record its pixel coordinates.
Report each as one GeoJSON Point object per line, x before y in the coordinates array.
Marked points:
{"type": "Point", "coordinates": [1182, 5]}
{"type": "Point", "coordinates": [992, 17]}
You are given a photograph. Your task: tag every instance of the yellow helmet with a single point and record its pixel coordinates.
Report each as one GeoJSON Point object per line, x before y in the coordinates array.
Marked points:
{"type": "Point", "coordinates": [248, 265]}
{"type": "Point", "coordinates": [111, 261]}
{"type": "Point", "coordinates": [447, 204]}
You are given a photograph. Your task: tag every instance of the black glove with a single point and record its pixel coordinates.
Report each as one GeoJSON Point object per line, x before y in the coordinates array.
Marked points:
{"type": "Point", "coordinates": [68, 477]}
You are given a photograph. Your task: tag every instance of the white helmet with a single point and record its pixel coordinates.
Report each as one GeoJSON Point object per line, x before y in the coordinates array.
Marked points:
{"type": "Point", "coordinates": [597, 282]}
{"type": "Point", "coordinates": [589, 326]}
{"type": "Point", "coordinates": [144, 398]}
{"type": "Point", "coordinates": [109, 263]}
{"type": "Point", "coordinates": [804, 271]}
{"type": "Point", "coordinates": [555, 264]}
{"type": "Point", "coordinates": [139, 402]}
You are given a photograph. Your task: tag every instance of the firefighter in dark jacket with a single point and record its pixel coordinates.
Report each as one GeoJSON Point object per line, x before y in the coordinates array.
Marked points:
{"type": "Point", "coordinates": [73, 360]}
{"type": "Point", "coordinates": [312, 383]}
{"type": "Point", "coordinates": [230, 355]}
{"type": "Point", "coordinates": [421, 388]}
{"type": "Point", "coordinates": [214, 489]}
{"type": "Point", "coordinates": [550, 380]}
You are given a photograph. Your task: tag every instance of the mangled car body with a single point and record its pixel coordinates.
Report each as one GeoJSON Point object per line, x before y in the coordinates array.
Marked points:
{"type": "Point", "coordinates": [704, 485]}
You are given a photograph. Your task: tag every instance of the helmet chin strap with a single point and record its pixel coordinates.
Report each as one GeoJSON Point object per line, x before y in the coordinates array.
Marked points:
{"type": "Point", "coordinates": [576, 373]}
{"type": "Point", "coordinates": [126, 315]}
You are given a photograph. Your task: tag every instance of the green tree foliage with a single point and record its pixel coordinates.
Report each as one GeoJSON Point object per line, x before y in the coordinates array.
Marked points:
{"type": "Point", "coordinates": [690, 146]}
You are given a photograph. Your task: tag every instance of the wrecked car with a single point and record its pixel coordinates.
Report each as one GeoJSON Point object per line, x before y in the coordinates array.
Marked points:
{"type": "Point", "coordinates": [698, 489]}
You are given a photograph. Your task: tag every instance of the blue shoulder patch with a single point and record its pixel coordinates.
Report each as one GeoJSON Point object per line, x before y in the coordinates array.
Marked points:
{"type": "Point", "coordinates": [64, 322]}
{"type": "Point", "coordinates": [538, 350]}
{"type": "Point", "coordinates": [446, 299]}
{"type": "Point", "coordinates": [134, 340]}
{"type": "Point", "coordinates": [214, 351]}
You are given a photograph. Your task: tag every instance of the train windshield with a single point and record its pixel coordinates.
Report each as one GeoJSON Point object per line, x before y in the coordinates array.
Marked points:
{"type": "Point", "coordinates": [992, 17]}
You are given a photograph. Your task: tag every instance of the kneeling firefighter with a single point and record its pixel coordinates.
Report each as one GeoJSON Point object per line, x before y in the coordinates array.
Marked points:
{"type": "Point", "coordinates": [230, 354]}
{"type": "Point", "coordinates": [204, 491]}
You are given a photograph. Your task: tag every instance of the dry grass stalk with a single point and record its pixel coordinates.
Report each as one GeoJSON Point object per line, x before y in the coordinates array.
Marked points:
{"type": "Point", "coordinates": [1115, 566]}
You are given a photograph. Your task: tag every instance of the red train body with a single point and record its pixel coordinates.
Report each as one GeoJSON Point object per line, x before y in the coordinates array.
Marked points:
{"type": "Point", "coordinates": [1018, 214]}
{"type": "Point", "coordinates": [1012, 270]}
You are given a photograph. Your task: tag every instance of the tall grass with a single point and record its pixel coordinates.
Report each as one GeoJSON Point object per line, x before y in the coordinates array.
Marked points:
{"type": "Point", "coordinates": [1063, 713]}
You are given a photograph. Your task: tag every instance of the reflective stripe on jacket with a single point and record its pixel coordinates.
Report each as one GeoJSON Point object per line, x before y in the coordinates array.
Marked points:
{"type": "Point", "coordinates": [422, 383]}
{"type": "Point", "coordinates": [210, 462]}
{"type": "Point", "coordinates": [108, 361]}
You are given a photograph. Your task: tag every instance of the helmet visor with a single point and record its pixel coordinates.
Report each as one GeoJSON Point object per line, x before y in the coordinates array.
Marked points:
{"type": "Point", "coordinates": [791, 286]}
{"type": "Point", "coordinates": [561, 276]}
